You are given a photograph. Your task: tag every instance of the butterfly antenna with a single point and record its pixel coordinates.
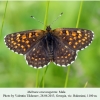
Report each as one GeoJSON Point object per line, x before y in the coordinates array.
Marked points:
{"type": "Point", "coordinates": [37, 20]}
{"type": "Point", "coordinates": [57, 18]}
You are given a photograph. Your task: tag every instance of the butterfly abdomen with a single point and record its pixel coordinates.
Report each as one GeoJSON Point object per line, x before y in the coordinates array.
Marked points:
{"type": "Point", "coordinates": [49, 45]}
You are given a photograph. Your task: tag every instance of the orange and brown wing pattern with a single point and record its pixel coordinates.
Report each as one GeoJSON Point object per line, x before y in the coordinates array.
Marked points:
{"type": "Point", "coordinates": [21, 42]}
{"type": "Point", "coordinates": [74, 38]}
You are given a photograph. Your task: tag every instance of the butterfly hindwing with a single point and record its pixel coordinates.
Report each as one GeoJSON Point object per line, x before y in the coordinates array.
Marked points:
{"type": "Point", "coordinates": [75, 38]}
{"type": "Point", "coordinates": [63, 55]}
{"type": "Point", "coordinates": [21, 42]}
{"type": "Point", "coordinates": [38, 56]}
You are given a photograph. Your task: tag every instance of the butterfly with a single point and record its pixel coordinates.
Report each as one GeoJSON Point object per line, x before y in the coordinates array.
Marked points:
{"type": "Point", "coordinates": [41, 47]}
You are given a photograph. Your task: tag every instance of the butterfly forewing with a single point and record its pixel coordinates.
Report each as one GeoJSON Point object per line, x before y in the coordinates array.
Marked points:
{"type": "Point", "coordinates": [63, 55]}
{"type": "Point", "coordinates": [74, 38]}
{"type": "Point", "coordinates": [38, 56]}
{"type": "Point", "coordinates": [21, 42]}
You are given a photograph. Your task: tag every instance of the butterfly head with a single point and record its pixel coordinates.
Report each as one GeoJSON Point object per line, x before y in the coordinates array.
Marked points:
{"type": "Point", "coordinates": [48, 28]}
